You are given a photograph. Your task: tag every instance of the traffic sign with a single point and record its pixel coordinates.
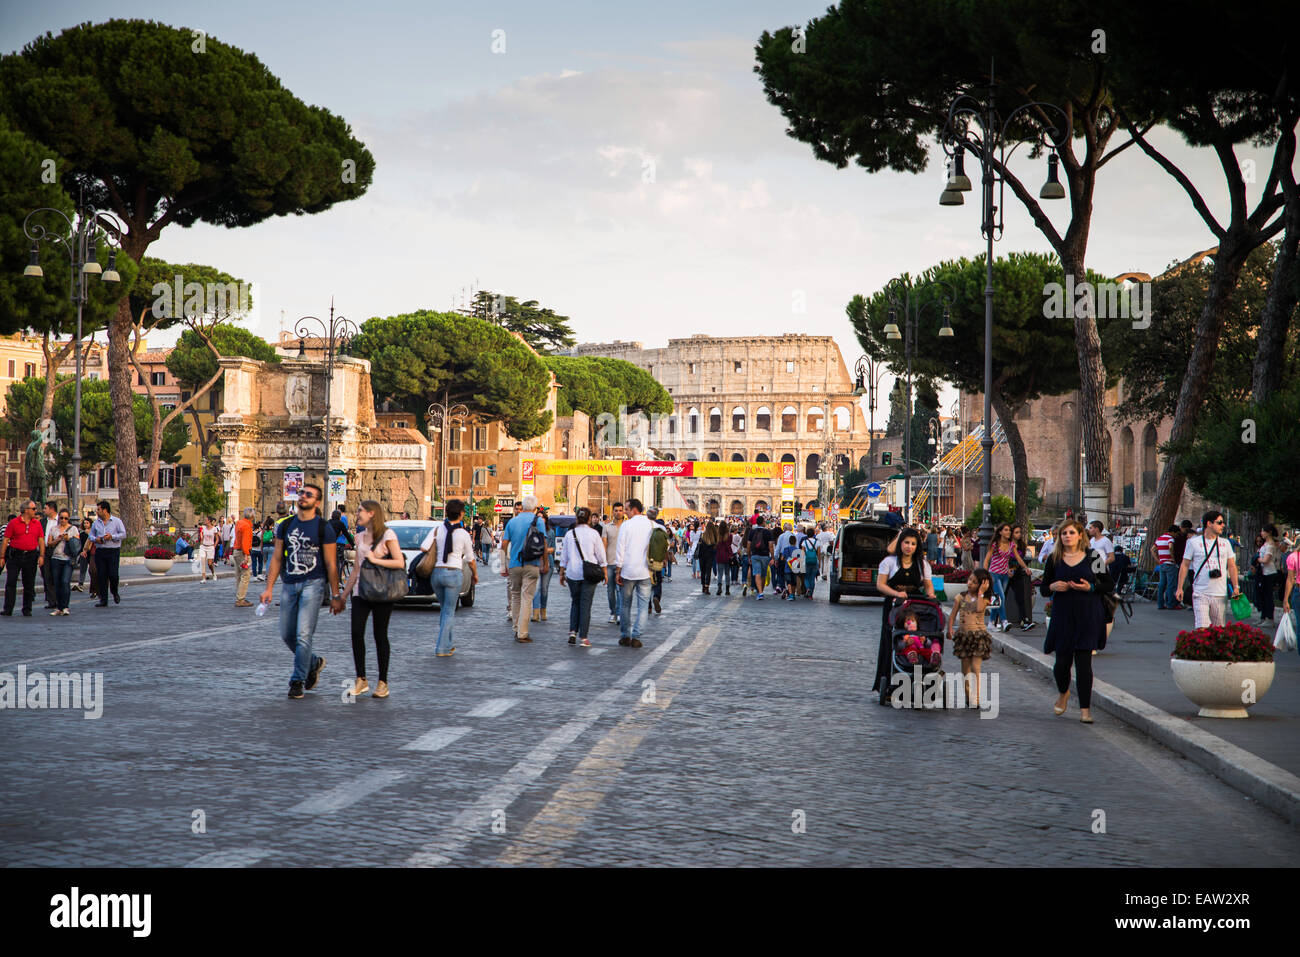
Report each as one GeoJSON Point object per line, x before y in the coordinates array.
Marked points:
{"type": "Point", "coordinates": [874, 490]}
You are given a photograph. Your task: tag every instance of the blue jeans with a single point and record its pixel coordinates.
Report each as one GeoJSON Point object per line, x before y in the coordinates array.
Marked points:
{"type": "Point", "coordinates": [1000, 589]}
{"type": "Point", "coordinates": [543, 585]}
{"type": "Point", "coordinates": [1165, 590]}
{"type": "Point", "coordinates": [582, 593]}
{"type": "Point", "coordinates": [614, 592]}
{"type": "Point", "coordinates": [446, 585]}
{"type": "Point", "coordinates": [810, 579]}
{"type": "Point", "coordinates": [636, 599]}
{"type": "Point", "coordinates": [255, 557]}
{"type": "Point", "coordinates": [723, 570]}
{"type": "Point", "coordinates": [668, 569]}
{"type": "Point", "coordinates": [758, 568]}
{"type": "Point", "coordinates": [1295, 606]}
{"type": "Point", "coordinates": [299, 608]}
{"type": "Point", "coordinates": [61, 579]}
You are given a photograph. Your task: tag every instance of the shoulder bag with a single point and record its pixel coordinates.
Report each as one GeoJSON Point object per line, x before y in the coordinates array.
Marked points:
{"type": "Point", "coordinates": [379, 584]}
{"type": "Point", "coordinates": [591, 572]}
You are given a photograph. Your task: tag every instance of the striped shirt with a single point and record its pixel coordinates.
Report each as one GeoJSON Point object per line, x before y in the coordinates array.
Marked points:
{"type": "Point", "coordinates": [1165, 549]}
{"type": "Point", "coordinates": [1000, 560]}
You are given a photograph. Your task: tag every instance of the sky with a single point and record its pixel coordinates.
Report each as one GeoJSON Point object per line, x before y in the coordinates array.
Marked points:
{"type": "Point", "coordinates": [527, 172]}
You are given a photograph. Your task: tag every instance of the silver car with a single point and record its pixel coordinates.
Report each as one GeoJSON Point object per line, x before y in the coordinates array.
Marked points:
{"type": "Point", "coordinates": [410, 533]}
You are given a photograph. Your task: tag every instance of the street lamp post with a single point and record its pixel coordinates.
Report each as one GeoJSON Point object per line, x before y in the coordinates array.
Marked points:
{"type": "Point", "coordinates": [912, 311]}
{"type": "Point", "coordinates": [867, 374]}
{"type": "Point", "coordinates": [989, 144]}
{"type": "Point", "coordinates": [934, 436]}
{"type": "Point", "coordinates": [441, 415]}
{"type": "Point", "coordinates": [961, 437]}
{"type": "Point", "coordinates": [335, 335]}
{"type": "Point", "coordinates": [79, 243]}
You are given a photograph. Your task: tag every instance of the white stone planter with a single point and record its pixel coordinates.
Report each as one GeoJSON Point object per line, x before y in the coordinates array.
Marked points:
{"type": "Point", "coordinates": [1222, 689]}
{"type": "Point", "coordinates": [158, 566]}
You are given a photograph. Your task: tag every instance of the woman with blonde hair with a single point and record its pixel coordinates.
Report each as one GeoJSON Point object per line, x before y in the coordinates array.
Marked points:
{"type": "Point", "coordinates": [1075, 579]}
{"type": "Point", "coordinates": [376, 544]}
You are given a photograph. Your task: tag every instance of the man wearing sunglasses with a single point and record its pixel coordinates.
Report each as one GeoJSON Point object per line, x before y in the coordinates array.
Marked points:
{"type": "Point", "coordinates": [304, 555]}
{"type": "Point", "coordinates": [1211, 556]}
{"type": "Point", "coordinates": [22, 551]}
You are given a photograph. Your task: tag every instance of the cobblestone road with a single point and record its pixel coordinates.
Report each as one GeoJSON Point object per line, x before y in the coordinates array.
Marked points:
{"type": "Point", "coordinates": [761, 726]}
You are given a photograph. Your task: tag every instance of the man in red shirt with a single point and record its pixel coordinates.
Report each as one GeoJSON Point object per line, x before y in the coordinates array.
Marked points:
{"type": "Point", "coordinates": [243, 547]}
{"type": "Point", "coordinates": [22, 551]}
{"type": "Point", "coordinates": [1167, 565]}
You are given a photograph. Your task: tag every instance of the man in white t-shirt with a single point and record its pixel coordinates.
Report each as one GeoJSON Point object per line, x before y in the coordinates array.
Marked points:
{"type": "Point", "coordinates": [633, 573]}
{"type": "Point", "coordinates": [1212, 562]}
{"type": "Point", "coordinates": [824, 542]}
{"type": "Point", "coordinates": [609, 534]}
{"type": "Point", "coordinates": [1100, 544]}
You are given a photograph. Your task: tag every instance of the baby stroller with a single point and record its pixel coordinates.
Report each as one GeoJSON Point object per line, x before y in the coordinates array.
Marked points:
{"type": "Point", "coordinates": [930, 623]}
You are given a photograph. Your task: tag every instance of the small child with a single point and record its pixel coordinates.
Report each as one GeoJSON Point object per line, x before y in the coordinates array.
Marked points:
{"type": "Point", "coordinates": [972, 642]}
{"type": "Point", "coordinates": [913, 645]}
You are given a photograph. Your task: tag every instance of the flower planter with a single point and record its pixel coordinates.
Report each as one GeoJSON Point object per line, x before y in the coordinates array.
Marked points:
{"type": "Point", "coordinates": [158, 566]}
{"type": "Point", "coordinates": [1218, 687]}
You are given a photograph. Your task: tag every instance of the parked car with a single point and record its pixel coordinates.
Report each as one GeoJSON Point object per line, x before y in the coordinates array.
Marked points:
{"type": "Point", "coordinates": [856, 556]}
{"type": "Point", "coordinates": [410, 533]}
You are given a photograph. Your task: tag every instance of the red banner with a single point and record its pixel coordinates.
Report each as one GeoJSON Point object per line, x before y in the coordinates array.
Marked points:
{"type": "Point", "coordinates": [659, 469]}
{"type": "Point", "coordinates": [528, 467]}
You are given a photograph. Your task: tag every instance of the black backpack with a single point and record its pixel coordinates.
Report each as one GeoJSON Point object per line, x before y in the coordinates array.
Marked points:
{"type": "Point", "coordinates": [534, 546]}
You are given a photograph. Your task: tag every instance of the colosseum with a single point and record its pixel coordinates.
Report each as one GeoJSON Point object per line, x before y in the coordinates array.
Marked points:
{"type": "Point", "coordinates": [786, 398]}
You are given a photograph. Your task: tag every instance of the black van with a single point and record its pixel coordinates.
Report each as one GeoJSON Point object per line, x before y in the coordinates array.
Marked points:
{"type": "Point", "coordinates": [859, 549]}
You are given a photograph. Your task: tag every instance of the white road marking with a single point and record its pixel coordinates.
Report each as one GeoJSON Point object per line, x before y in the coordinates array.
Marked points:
{"type": "Point", "coordinates": [560, 666]}
{"type": "Point", "coordinates": [534, 683]}
{"type": "Point", "coordinates": [436, 740]}
{"type": "Point", "coordinates": [231, 857]}
{"type": "Point", "coordinates": [348, 793]}
{"type": "Point", "coordinates": [597, 651]}
{"type": "Point", "coordinates": [131, 645]}
{"type": "Point", "coordinates": [492, 708]}
{"type": "Point", "coordinates": [470, 821]}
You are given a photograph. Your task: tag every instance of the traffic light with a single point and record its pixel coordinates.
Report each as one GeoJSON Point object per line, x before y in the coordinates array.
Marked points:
{"type": "Point", "coordinates": [886, 458]}
{"type": "Point", "coordinates": [798, 507]}
{"type": "Point", "coordinates": [492, 469]}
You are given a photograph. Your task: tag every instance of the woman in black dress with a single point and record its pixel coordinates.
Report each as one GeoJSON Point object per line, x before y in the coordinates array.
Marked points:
{"type": "Point", "coordinates": [1075, 578]}
{"type": "Point", "coordinates": [903, 574]}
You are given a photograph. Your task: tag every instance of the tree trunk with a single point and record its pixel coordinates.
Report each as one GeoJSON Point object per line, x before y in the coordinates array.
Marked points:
{"type": "Point", "coordinates": [1019, 457]}
{"type": "Point", "coordinates": [1092, 382]}
{"type": "Point", "coordinates": [1191, 398]}
{"type": "Point", "coordinates": [1275, 319]}
{"type": "Point", "coordinates": [130, 503]}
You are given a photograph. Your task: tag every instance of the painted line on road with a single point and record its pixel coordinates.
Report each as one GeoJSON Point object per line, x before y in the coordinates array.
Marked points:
{"type": "Point", "coordinates": [231, 857]}
{"type": "Point", "coordinates": [558, 823]}
{"type": "Point", "coordinates": [492, 708]}
{"type": "Point", "coordinates": [533, 683]}
{"type": "Point", "coordinates": [560, 666]}
{"type": "Point", "coordinates": [470, 822]}
{"type": "Point", "coordinates": [597, 651]}
{"type": "Point", "coordinates": [350, 792]}
{"type": "Point", "coordinates": [436, 740]}
{"type": "Point", "coordinates": [131, 645]}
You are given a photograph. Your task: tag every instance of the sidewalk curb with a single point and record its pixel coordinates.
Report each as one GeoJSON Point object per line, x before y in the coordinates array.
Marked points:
{"type": "Point", "coordinates": [150, 580]}
{"type": "Point", "coordinates": [1272, 786]}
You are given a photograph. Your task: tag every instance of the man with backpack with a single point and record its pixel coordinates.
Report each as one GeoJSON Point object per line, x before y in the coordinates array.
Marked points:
{"type": "Point", "coordinates": [524, 541]}
{"type": "Point", "coordinates": [633, 561]}
{"type": "Point", "coordinates": [305, 555]}
{"type": "Point", "coordinates": [759, 542]}
{"type": "Point", "coordinates": [657, 558]}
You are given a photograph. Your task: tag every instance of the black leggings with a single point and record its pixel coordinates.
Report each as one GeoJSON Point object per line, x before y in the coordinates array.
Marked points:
{"type": "Point", "coordinates": [1082, 675]}
{"type": "Point", "coordinates": [705, 554]}
{"type": "Point", "coordinates": [361, 610]}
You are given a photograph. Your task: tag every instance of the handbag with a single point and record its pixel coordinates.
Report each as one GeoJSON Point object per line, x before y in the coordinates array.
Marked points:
{"type": "Point", "coordinates": [380, 584]}
{"type": "Point", "coordinates": [591, 572]}
{"type": "Point", "coordinates": [1285, 638]}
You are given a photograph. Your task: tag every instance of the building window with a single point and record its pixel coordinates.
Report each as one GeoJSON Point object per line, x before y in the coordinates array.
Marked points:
{"type": "Point", "coordinates": [715, 419]}
{"type": "Point", "coordinates": [453, 439]}
{"type": "Point", "coordinates": [453, 478]}
{"type": "Point", "coordinates": [185, 396]}
{"type": "Point", "coordinates": [167, 406]}
{"type": "Point", "coordinates": [693, 421]}
{"type": "Point", "coordinates": [738, 419]}
{"type": "Point", "coordinates": [692, 369]}
{"type": "Point", "coordinates": [158, 378]}
{"type": "Point", "coordinates": [789, 419]}
{"type": "Point", "coordinates": [763, 419]}
{"type": "Point", "coordinates": [816, 418]}
{"type": "Point", "coordinates": [29, 369]}
{"type": "Point", "coordinates": [12, 367]}
{"type": "Point", "coordinates": [480, 438]}
{"type": "Point", "coordinates": [93, 376]}
{"type": "Point", "coordinates": [789, 365]}
{"type": "Point", "coordinates": [736, 366]}
{"type": "Point", "coordinates": [810, 469]}
{"type": "Point", "coordinates": [480, 477]}
{"type": "Point", "coordinates": [108, 477]}
{"type": "Point", "coordinates": [400, 424]}
{"type": "Point", "coordinates": [843, 419]}
{"type": "Point", "coordinates": [672, 425]}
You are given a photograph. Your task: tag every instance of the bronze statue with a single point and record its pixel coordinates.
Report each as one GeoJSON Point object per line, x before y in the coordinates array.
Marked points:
{"type": "Point", "coordinates": [37, 477]}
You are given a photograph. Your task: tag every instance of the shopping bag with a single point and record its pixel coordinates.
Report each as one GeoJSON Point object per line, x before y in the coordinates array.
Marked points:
{"type": "Point", "coordinates": [196, 565]}
{"type": "Point", "coordinates": [1285, 637]}
{"type": "Point", "coordinates": [497, 560]}
{"type": "Point", "coordinates": [1239, 605]}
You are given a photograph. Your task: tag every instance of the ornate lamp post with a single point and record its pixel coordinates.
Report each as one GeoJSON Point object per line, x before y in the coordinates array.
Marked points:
{"type": "Point", "coordinates": [934, 436]}
{"type": "Point", "coordinates": [441, 415]}
{"type": "Point", "coordinates": [867, 374]}
{"type": "Point", "coordinates": [335, 334]}
{"type": "Point", "coordinates": [979, 127]}
{"type": "Point", "coordinates": [79, 243]}
{"type": "Point", "coordinates": [912, 310]}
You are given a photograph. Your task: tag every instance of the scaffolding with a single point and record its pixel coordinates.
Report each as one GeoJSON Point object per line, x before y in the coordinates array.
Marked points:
{"type": "Point", "coordinates": [963, 458]}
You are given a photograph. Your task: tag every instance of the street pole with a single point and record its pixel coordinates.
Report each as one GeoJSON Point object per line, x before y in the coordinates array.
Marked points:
{"type": "Point", "coordinates": [338, 331]}
{"type": "Point", "coordinates": [80, 247]}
